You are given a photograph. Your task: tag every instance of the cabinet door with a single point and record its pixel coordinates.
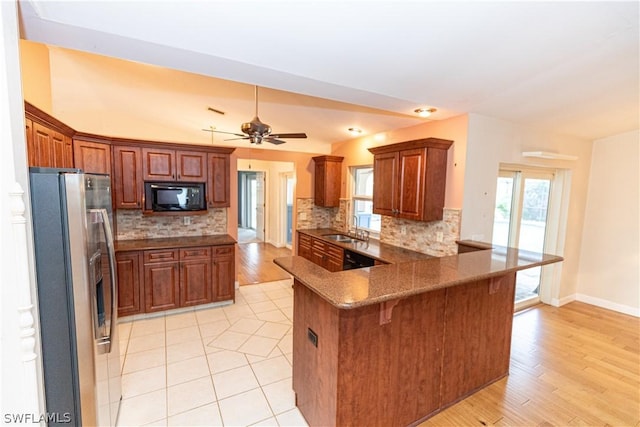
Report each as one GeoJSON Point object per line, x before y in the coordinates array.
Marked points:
{"type": "Point", "coordinates": [320, 171]}
{"type": "Point", "coordinates": [335, 257]}
{"type": "Point", "coordinates": [92, 157]}
{"type": "Point", "coordinates": [224, 270]}
{"type": "Point", "coordinates": [161, 286]}
{"type": "Point", "coordinates": [192, 166]}
{"type": "Point", "coordinates": [318, 253]}
{"type": "Point", "coordinates": [158, 164]}
{"type": "Point", "coordinates": [43, 146]}
{"type": "Point", "coordinates": [411, 183]}
{"type": "Point", "coordinates": [68, 152]}
{"type": "Point", "coordinates": [130, 291]}
{"type": "Point", "coordinates": [127, 177]}
{"type": "Point", "coordinates": [327, 180]}
{"type": "Point", "coordinates": [385, 168]}
{"type": "Point", "coordinates": [195, 282]}
{"type": "Point", "coordinates": [58, 149]}
{"type": "Point", "coordinates": [195, 276]}
{"type": "Point", "coordinates": [31, 149]}
{"type": "Point", "coordinates": [218, 182]}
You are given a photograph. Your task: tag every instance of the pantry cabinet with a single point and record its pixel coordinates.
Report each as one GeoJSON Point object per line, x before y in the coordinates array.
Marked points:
{"type": "Point", "coordinates": [410, 178]}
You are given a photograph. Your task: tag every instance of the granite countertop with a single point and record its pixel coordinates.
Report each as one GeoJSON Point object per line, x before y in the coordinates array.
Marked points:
{"type": "Point", "coordinates": [173, 242]}
{"type": "Point", "coordinates": [371, 285]}
{"type": "Point", "coordinates": [373, 248]}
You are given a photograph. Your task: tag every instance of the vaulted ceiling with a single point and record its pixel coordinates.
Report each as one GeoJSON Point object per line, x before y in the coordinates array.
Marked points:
{"type": "Point", "coordinates": [567, 67]}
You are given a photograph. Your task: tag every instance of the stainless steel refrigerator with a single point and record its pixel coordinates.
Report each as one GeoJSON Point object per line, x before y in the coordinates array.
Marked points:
{"type": "Point", "coordinates": [77, 299]}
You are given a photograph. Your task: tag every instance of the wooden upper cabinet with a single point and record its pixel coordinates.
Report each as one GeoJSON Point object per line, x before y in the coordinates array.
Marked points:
{"type": "Point", "coordinates": [127, 177]}
{"type": "Point", "coordinates": [92, 157]}
{"type": "Point", "coordinates": [158, 164]}
{"type": "Point", "coordinates": [218, 192]}
{"type": "Point", "coordinates": [327, 180]}
{"type": "Point", "coordinates": [192, 166]}
{"type": "Point", "coordinates": [171, 165]}
{"type": "Point", "coordinates": [49, 141]}
{"type": "Point", "coordinates": [409, 179]}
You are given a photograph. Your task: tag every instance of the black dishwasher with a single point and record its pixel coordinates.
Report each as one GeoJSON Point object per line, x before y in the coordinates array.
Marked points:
{"type": "Point", "coordinates": [353, 260]}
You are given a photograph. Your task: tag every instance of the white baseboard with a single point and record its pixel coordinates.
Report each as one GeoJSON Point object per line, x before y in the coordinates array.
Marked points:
{"type": "Point", "coordinates": [620, 308]}
{"type": "Point", "coordinates": [562, 301]}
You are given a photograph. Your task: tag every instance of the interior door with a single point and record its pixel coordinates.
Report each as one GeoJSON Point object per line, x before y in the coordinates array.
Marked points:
{"type": "Point", "coordinates": [260, 205]}
{"type": "Point", "coordinates": [520, 220]}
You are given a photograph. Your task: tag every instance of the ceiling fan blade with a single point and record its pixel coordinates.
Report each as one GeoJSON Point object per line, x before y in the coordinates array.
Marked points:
{"type": "Point", "coordinates": [235, 139]}
{"type": "Point", "coordinates": [288, 135]}
{"type": "Point", "coordinates": [220, 131]}
{"type": "Point", "coordinates": [273, 140]}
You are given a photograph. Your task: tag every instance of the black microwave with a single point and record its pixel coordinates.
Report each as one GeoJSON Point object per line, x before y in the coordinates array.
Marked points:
{"type": "Point", "coordinates": [174, 196]}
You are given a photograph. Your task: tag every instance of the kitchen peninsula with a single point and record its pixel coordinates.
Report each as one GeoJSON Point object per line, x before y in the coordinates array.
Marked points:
{"type": "Point", "coordinates": [394, 344]}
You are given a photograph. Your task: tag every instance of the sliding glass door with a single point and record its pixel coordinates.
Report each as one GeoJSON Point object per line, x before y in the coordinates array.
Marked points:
{"type": "Point", "coordinates": [520, 220]}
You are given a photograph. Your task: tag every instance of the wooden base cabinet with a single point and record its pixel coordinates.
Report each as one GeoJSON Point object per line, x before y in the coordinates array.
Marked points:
{"type": "Point", "coordinates": [130, 290]}
{"type": "Point", "coordinates": [195, 276]}
{"type": "Point", "coordinates": [164, 279]}
{"type": "Point", "coordinates": [326, 255]}
{"type": "Point", "coordinates": [161, 280]}
{"type": "Point", "coordinates": [224, 269]}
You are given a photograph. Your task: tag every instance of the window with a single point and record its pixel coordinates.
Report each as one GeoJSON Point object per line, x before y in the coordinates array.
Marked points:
{"type": "Point", "coordinates": [362, 199]}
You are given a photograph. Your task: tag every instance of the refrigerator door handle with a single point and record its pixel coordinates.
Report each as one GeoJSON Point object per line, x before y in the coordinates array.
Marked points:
{"type": "Point", "coordinates": [104, 343]}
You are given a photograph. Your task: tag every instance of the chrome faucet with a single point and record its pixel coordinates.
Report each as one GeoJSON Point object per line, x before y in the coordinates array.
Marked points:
{"type": "Point", "coordinates": [355, 222]}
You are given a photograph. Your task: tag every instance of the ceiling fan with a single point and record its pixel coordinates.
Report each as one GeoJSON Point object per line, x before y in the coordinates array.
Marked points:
{"type": "Point", "coordinates": [255, 131]}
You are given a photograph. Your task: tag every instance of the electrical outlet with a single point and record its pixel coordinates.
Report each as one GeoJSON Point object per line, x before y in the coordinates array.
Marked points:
{"type": "Point", "coordinates": [439, 236]}
{"type": "Point", "coordinates": [186, 220]}
{"type": "Point", "coordinates": [403, 230]}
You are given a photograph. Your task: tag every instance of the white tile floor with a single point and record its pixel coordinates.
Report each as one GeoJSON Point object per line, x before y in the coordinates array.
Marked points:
{"type": "Point", "coordinates": [224, 366]}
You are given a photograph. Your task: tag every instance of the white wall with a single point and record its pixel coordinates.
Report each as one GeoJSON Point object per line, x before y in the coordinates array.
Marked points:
{"type": "Point", "coordinates": [273, 193]}
{"type": "Point", "coordinates": [609, 274]}
{"type": "Point", "coordinates": [491, 142]}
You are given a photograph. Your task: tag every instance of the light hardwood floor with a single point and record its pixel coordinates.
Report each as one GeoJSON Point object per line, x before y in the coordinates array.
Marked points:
{"type": "Point", "coordinates": [577, 365]}
{"type": "Point", "coordinates": [256, 263]}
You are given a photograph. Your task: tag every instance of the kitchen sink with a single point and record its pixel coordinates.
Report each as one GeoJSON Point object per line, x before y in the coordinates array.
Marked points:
{"type": "Point", "coordinates": [343, 238]}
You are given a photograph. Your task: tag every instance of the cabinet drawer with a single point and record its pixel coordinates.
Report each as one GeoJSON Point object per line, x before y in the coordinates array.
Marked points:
{"type": "Point", "coordinates": [304, 240]}
{"type": "Point", "coordinates": [160, 255]}
{"type": "Point", "coordinates": [223, 250]}
{"type": "Point", "coordinates": [188, 254]}
{"type": "Point", "coordinates": [335, 252]}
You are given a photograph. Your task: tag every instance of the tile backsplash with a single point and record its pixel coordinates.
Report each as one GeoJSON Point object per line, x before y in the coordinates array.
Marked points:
{"type": "Point", "coordinates": [132, 224]}
{"type": "Point", "coordinates": [437, 238]}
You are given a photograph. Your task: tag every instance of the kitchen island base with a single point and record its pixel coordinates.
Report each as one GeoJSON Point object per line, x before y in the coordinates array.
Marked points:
{"type": "Point", "coordinates": [398, 362]}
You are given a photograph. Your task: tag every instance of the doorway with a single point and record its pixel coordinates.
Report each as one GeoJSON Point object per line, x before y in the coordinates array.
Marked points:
{"type": "Point", "coordinates": [250, 206]}
{"type": "Point", "coordinates": [521, 220]}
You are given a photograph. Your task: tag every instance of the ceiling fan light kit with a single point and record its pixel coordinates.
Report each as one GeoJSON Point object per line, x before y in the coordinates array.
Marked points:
{"type": "Point", "coordinates": [256, 131]}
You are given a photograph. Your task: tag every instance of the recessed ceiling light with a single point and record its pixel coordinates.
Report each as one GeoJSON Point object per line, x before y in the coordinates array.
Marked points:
{"type": "Point", "coordinates": [355, 131]}
{"type": "Point", "coordinates": [424, 112]}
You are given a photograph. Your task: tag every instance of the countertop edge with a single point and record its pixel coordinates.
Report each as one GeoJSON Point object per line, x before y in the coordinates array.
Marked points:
{"type": "Point", "coordinates": [306, 271]}
{"type": "Point", "coordinates": [173, 242]}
